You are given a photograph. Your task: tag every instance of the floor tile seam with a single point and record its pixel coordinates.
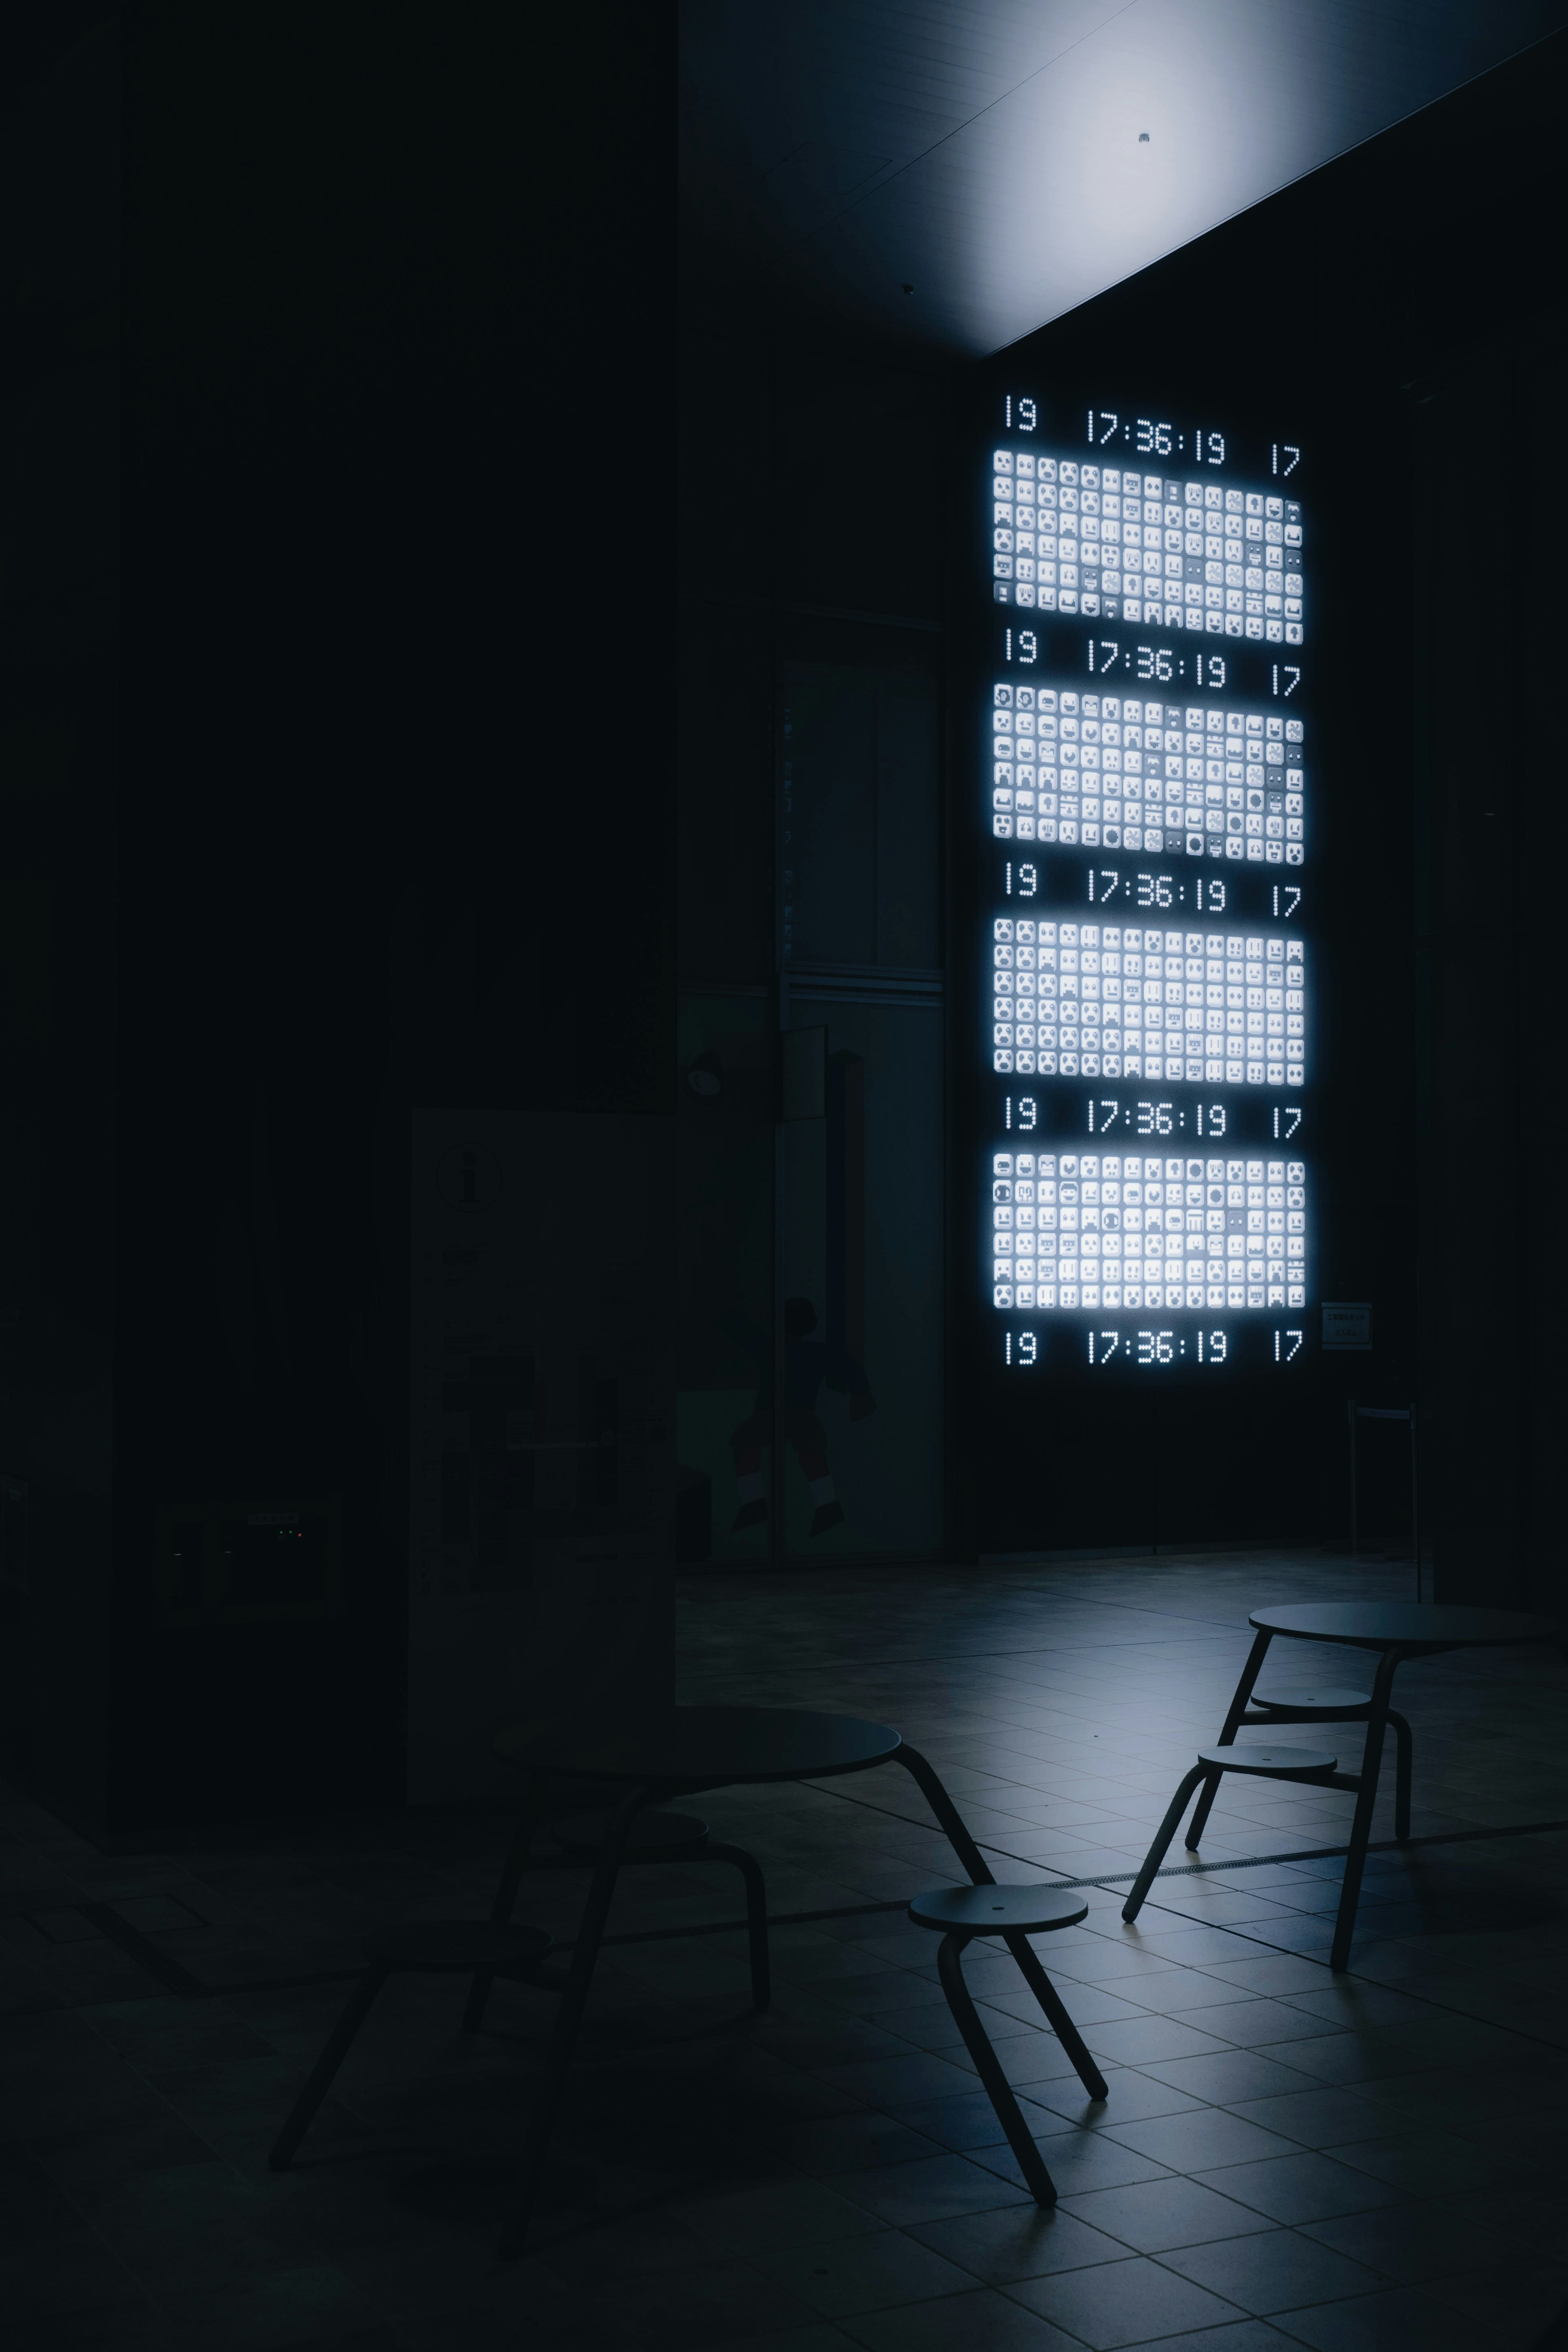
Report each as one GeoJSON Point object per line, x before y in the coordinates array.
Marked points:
{"type": "Point", "coordinates": [117, 2255]}
{"type": "Point", "coordinates": [1155, 2344]}
{"type": "Point", "coordinates": [958, 1662]}
{"type": "Point", "coordinates": [1265, 2318]}
{"type": "Point", "coordinates": [1286, 1951]}
{"type": "Point", "coordinates": [1240, 1930]}
{"type": "Point", "coordinates": [901, 1661]}
{"type": "Point", "coordinates": [1278, 2230]}
{"type": "Point", "coordinates": [845, 1796]}
{"type": "Point", "coordinates": [888, 1907]}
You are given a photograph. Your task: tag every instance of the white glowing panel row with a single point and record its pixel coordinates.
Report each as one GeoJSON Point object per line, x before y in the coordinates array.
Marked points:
{"type": "Point", "coordinates": [1071, 1230]}
{"type": "Point", "coordinates": [1105, 1000]}
{"type": "Point", "coordinates": [1106, 770]}
{"type": "Point", "coordinates": [1067, 538]}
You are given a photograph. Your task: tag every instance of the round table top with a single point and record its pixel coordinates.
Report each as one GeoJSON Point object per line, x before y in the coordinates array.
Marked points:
{"type": "Point", "coordinates": [1405, 1625]}
{"type": "Point", "coordinates": [709, 1747]}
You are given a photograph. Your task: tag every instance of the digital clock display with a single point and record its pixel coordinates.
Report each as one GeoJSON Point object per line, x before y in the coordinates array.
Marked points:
{"type": "Point", "coordinates": [1117, 772]}
{"type": "Point", "coordinates": [1143, 829]}
{"type": "Point", "coordinates": [1120, 544]}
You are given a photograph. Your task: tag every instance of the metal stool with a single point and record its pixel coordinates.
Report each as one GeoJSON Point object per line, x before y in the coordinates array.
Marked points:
{"type": "Point", "coordinates": [654, 1835]}
{"type": "Point", "coordinates": [1259, 1763]}
{"type": "Point", "coordinates": [1013, 1913]}
{"type": "Point", "coordinates": [1332, 1706]}
{"type": "Point", "coordinates": [425, 1948]}
{"type": "Point", "coordinates": [664, 1837]}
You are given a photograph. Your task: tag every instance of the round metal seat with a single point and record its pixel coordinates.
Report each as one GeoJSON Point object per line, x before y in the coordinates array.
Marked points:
{"type": "Point", "coordinates": [1314, 1702]}
{"type": "Point", "coordinates": [1303, 1764]}
{"type": "Point", "coordinates": [657, 1836]}
{"type": "Point", "coordinates": [960, 1914]}
{"type": "Point", "coordinates": [1269, 1763]}
{"type": "Point", "coordinates": [1311, 1704]}
{"type": "Point", "coordinates": [432, 1947]}
{"type": "Point", "coordinates": [998, 1910]}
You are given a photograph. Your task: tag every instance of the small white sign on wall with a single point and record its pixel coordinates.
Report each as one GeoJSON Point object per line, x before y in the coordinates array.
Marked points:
{"type": "Point", "coordinates": [1347, 1324]}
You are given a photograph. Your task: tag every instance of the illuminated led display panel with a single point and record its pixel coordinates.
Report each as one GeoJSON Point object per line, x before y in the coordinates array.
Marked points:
{"type": "Point", "coordinates": [1143, 819]}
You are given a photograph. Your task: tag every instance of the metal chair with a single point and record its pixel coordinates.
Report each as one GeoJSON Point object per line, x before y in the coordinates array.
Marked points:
{"type": "Point", "coordinates": [1259, 1763]}
{"type": "Point", "coordinates": [1335, 1705]}
{"type": "Point", "coordinates": [656, 1835]}
{"type": "Point", "coordinates": [960, 1914]}
{"type": "Point", "coordinates": [425, 1948]}
{"type": "Point", "coordinates": [664, 1836]}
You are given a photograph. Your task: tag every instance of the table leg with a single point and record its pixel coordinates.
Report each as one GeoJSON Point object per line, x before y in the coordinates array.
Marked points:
{"type": "Point", "coordinates": [988, 2067]}
{"type": "Point", "coordinates": [1162, 1836]}
{"type": "Point", "coordinates": [325, 2067]}
{"type": "Point", "coordinates": [1367, 1798]}
{"type": "Point", "coordinates": [946, 1811]}
{"type": "Point", "coordinates": [574, 2001]}
{"type": "Point", "coordinates": [1402, 1776]}
{"type": "Point", "coordinates": [506, 1892]}
{"type": "Point", "coordinates": [756, 1917]}
{"type": "Point", "coordinates": [1250, 1675]}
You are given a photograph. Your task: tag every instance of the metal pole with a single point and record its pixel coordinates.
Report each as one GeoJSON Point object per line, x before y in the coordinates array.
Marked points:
{"type": "Point", "coordinates": [782, 895]}
{"type": "Point", "coordinates": [1415, 1508]}
{"type": "Point", "coordinates": [1355, 1546]}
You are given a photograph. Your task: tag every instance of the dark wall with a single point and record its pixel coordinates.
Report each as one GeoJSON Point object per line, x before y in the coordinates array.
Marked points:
{"type": "Point", "coordinates": [392, 380]}
{"type": "Point", "coordinates": [1403, 314]}
{"type": "Point", "coordinates": [59, 761]}
{"type": "Point", "coordinates": [1492, 1121]}
{"type": "Point", "coordinates": [813, 706]}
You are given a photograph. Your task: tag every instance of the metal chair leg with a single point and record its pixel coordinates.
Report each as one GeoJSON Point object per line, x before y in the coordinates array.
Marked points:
{"type": "Point", "coordinates": [1162, 1836]}
{"type": "Point", "coordinates": [1401, 1776]}
{"type": "Point", "coordinates": [506, 1892]}
{"type": "Point", "coordinates": [756, 1919]}
{"type": "Point", "coordinates": [569, 2016]}
{"type": "Point", "coordinates": [981, 1875]}
{"type": "Point", "coordinates": [1201, 1812]}
{"type": "Point", "coordinates": [326, 2066]}
{"type": "Point", "coordinates": [1236, 1709]}
{"type": "Point", "coordinates": [999, 2090]}
{"type": "Point", "coordinates": [1062, 2026]}
{"type": "Point", "coordinates": [1361, 1826]}
{"type": "Point", "coordinates": [946, 1811]}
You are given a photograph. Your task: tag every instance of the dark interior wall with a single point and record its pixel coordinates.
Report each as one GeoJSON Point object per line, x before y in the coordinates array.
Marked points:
{"type": "Point", "coordinates": [1418, 339]}
{"type": "Point", "coordinates": [813, 666]}
{"type": "Point", "coordinates": [58, 759]}
{"type": "Point", "coordinates": [385, 421]}
{"type": "Point", "coordinates": [779, 525]}
{"type": "Point", "coordinates": [1489, 774]}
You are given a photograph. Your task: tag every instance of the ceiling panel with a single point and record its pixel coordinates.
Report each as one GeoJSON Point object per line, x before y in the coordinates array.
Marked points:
{"type": "Point", "coordinates": [1009, 158]}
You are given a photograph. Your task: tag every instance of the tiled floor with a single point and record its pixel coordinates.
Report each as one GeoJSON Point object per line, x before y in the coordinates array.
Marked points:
{"type": "Point", "coordinates": [1359, 2164]}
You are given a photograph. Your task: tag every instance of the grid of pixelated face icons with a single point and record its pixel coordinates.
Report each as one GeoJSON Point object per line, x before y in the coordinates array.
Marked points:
{"type": "Point", "coordinates": [1099, 1229]}
{"type": "Point", "coordinates": [1117, 1001]}
{"type": "Point", "coordinates": [1122, 546]}
{"type": "Point", "coordinates": [1109, 772]}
